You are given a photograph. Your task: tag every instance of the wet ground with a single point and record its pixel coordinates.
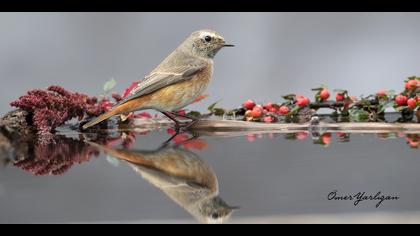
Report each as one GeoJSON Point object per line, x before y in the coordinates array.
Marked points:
{"type": "Point", "coordinates": [142, 177]}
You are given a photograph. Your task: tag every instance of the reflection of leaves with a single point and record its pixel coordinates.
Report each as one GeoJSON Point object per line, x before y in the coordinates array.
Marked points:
{"type": "Point", "coordinates": [113, 161]}
{"type": "Point", "coordinates": [186, 142]}
{"type": "Point", "coordinates": [109, 85]}
{"type": "Point", "coordinates": [55, 157]}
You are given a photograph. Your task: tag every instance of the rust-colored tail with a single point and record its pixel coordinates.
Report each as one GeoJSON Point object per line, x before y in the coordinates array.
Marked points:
{"type": "Point", "coordinates": [126, 155]}
{"type": "Point", "coordinates": [119, 109]}
{"type": "Point", "coordinates": [101, 118]}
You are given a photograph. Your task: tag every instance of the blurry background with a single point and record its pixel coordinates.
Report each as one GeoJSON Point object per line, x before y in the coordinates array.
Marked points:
{"type": "Point", "coordinates": [276, 53]}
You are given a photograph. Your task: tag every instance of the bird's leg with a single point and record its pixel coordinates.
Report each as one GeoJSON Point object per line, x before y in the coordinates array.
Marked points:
{"type": "Point", "coordinates": [171, 116]}
{"type": "Point", "coordinates": [167, 142]}
{"type": "Point", "coordinates": [189, 124]}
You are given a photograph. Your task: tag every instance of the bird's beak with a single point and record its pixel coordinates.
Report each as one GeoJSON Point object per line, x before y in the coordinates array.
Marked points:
{"type": "Point", "coordinates": [234, 207]}
{"type": "Point", "coordinates": [228, 45]}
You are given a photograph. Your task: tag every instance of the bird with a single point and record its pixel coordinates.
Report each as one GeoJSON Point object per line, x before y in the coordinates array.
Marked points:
{"type": "Point", "coordinates": [176, 82]}
{"type": "Point", "coordinates": [182, 175]}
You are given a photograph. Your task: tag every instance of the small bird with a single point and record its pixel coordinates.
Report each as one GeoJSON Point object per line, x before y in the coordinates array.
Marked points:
{"type": "Point", "coordinates": [176, 82]}
{"type": "Point", "coordinates": [182, 176]}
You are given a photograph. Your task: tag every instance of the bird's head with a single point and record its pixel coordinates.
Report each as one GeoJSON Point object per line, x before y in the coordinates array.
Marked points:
{"type": "Point", "coordinates": [206, 43]}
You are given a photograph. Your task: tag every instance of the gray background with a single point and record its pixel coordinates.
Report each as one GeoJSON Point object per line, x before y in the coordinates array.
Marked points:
{"type": "Point", "coordinates": [276, 53]}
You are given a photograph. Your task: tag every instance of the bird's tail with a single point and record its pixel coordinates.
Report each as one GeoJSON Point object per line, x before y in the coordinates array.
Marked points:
{"type": "Point", "coordinates": [101, 118]}
{"type": "Point", "coordinates": [118, 109]}
{"type": "Point", "coordinates": [123, 154]}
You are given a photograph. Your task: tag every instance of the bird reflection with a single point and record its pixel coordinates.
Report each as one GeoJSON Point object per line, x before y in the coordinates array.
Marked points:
{"type": "Point", "coordinates": [182, 176]}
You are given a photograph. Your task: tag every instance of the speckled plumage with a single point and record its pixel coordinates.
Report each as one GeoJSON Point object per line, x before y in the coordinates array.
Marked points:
{"type": "Point", "coordinates": [177, 81]}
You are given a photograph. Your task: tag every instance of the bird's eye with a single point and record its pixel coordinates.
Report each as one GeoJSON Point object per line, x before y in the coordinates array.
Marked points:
{"type": "Point", "coordinates": [214, 216]}
{"type": "Point", "coordinates": [207, 38]}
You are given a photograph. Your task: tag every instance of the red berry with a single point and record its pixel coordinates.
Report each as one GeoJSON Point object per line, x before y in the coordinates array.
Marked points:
{"type": "Point", "coordinates": [268, 106]}
{"type": "Point", "coordinates": [412, 103]}
{"type": "Point", "coordinates": [268, 119]}
{"type": "Point", "coordinates": [401, 100]}
{"type": "Point", "coordinates": [325, 94]}
{"type": "Point", "coordinates": [273, 110]}
{"type": "Point", "coordinates": [381, 93]}
{"type": "Point", "coordinates": [256, 112]}
{"type": "Point", "coordinates": [284, 110]}
{"type": "Point", "coordinates": [249, 105]}
{"type": "Point", "coordinates": [412, 84]}
{"type": "Point", "coordinates": [302, 101]}
{"type": "Point", "coordinates": [339, 97]}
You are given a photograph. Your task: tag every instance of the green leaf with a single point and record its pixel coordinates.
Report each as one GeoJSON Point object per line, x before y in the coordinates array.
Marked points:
{"type": "Point", "coordinates": [359, 115]}
{"type": "Point", "coordinates": [212, 106]}
{"type": "Point", "coordinates": [400, 109]}
{"type": "Point", "coordinates": [219, 111]}
{"type": "Point", "coordinates": [194, 114]}
{"type": "Point", "coordinates": [109, 85]}
{"type": "Point", "coordinates": [340, 91]}
{"type": "Point", "coordinates": [289, 97]}
{"type": "Point", "coordinates": [383, 105]}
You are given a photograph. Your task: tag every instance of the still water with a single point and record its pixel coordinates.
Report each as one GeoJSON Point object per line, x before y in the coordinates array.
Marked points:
{"type": "Point", "coordinates": [145, 176]}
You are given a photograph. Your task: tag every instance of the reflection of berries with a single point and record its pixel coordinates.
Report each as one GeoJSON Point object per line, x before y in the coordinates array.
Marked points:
{"type": "Point", "coordinates": [326, 138]}
{"type": "Point", "coordinates": [341, 135]}
{"type": "Point", "coordinates": [302, 135]}
{"type": "Point", "coordinates": [339, 97]}
{"type": "Point", "coordinates": [325, 94]}
{"type": "Point", "coordinates": [249, 105]}
{"type": "Point", "coordinates": [401, 100]}
{"type": "Point", "coordinates": [251, 138]}
{"type": "Point", "coordinates": [412, 103]}
{"type": "Point", "coordinates": [412, 84]}
{"type": "Point", "coordinates": [284, 110]}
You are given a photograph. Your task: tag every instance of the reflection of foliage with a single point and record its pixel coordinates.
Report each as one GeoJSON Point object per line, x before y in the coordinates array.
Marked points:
{"type": "Point", "coordinates": [57, 157]}
{"type": "Point", "coordinates": [325, 139]}
{"type": "Point", "coordinates": [413, 140]}
{"type": "Point", "coordinates": [188, 143]}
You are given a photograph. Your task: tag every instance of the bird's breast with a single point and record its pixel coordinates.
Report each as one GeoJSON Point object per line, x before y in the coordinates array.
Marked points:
{"type": "Point", "coordinates": [179, 95]}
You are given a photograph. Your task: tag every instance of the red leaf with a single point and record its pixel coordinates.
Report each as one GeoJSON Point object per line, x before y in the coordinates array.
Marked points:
{"type": "Point", "coordinates": [129, 89]}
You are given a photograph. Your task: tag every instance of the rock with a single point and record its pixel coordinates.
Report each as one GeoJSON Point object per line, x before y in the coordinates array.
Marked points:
{"type": "Point", "coordinates": [15, 132]}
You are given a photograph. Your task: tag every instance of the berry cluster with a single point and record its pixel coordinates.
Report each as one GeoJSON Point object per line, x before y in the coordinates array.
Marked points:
{"type": "Point", "coordinates": [364, 108]}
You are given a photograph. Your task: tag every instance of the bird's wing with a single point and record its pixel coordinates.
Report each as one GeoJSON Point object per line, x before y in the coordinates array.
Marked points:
{"type": "Point", "coordinates": [162, 78]}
